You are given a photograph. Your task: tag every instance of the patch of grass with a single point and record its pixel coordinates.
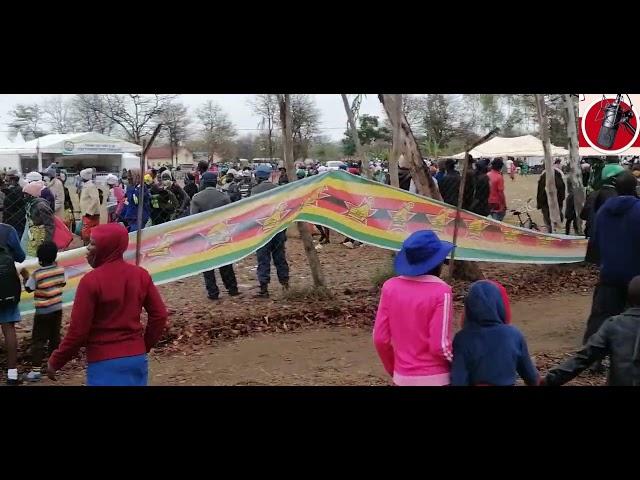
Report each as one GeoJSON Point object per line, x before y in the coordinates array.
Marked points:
{"type": "Point", "coordinates": [382, 274]}
{"type": "Point", "coordinates": [307, 293]}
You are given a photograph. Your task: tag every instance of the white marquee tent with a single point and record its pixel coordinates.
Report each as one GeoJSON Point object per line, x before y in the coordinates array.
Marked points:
{"type": "Point", "coordinates": [68, 145]}
{"type": "Point", "coordinates": [72, 144]}
{"type": "Point", "coordinates": [524, 146]}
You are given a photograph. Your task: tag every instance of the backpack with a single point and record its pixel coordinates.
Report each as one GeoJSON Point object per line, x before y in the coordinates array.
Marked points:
{"type": "Point", "coordinates": [10, 286]}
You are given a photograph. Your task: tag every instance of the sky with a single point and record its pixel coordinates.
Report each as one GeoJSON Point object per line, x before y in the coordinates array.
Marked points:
{"type": "Point", "coordinates": [333, 119]}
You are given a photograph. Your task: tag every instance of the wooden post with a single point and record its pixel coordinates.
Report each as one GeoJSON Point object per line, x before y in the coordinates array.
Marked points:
{"type": "Point", "coordinates": [140, 202]}
{"type": "Point", "coordinates": [575, 171]}
{"type": "Point", "coordinates": [396, 149]}
{"type": "Point", "coordinates": [143, 166]}
{"type": "Point", "coordinates": [284, 100]}
{"type": "Point", "coordinates": [550, 177]}
{"type": "Point", "coordinates": [353, 131]}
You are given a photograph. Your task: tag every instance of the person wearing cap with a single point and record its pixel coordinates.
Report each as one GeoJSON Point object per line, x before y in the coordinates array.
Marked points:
{"type": "Point", "coordinates": [615, 239]}
{"type": "Point", "coordinates": [133, 193]}
{"type": "Point", "coordinates": [40, 224]}
{"type": "Point", "coordinates": [89, 204]}
{"type": "Point", "coordinates": [209, 198]}
{"type": "Point", "coordinates": [543, 201]}
{"type": "Point", "coordinates": [46, 193]}
{"type": "Point", "coordinates": [594, 201]}
{"type": "Point", "coordinates": [115, 200]}
{"type": "Point", "coordinates": [413, 326]}
{"type": "Point", "coordinates": [57, 189]}
{"type": "Point", "coordinates": [14, 212]}
{"type": "Point", "coordinates": [275, 248]}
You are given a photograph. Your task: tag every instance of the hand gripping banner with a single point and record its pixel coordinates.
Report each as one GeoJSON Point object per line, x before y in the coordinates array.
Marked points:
{"type": "Point", "coordinates": [362, 209]}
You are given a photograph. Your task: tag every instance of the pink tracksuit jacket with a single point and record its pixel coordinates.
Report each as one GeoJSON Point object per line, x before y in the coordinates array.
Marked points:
{"type": "Point", "coordinates": [412, 332]}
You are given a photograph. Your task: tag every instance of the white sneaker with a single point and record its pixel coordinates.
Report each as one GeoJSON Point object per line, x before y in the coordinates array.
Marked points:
{"type": "Point", "coordinates": [33, 376]}
{"type": "Point", "coordinates": [348, 244]}
{"type": "Point", "coordinates": [318, 247]}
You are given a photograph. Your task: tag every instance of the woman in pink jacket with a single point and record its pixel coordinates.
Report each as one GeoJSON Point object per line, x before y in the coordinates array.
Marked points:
{"type": "Point", "coordinates": [412, 332]}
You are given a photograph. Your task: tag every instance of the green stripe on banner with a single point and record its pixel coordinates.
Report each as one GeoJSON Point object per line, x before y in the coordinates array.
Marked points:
{"type": "Point", "coordinates": [194, 240]}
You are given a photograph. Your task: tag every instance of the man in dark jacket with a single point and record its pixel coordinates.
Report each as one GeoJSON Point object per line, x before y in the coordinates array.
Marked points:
{"type": "Point", "coordinates": [210, 198]}
{"type": "Point", "coordinates": [618, 338]}
{"type": "Point", "coordinates": [543, 201]}
{"type": "Point", "coordinates": [14, 212]}
{"type": "Point", "coordinates": [616, 237]}
{"type": "Point", "coordinates": [275, 248]}
{"type": "Point", "coordinates": [482, 190]}
{"type": "Point", "coordinates": [450, 185]}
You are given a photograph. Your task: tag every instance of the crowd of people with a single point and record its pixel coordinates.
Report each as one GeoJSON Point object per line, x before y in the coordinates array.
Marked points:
{"type": "Point", "coordinates": [413, 331]}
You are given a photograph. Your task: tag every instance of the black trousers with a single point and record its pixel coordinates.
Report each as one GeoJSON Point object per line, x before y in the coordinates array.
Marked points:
{"type": "Point", "coordinates": [567, 227]}
{"type": "Point", "coordinates": [607, 301]}
{"type": "Point", "coordinates": [228, 279]}
{"type": "Point", "coordinates": [275, 250]}
{"type": "Point", "coordinates": [46, 332]}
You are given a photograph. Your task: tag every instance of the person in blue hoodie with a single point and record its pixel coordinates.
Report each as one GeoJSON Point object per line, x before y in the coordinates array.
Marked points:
{"type": "Point", "coordinates": [616, 238]}
{"type": "Point", "coordinates": [487, 350]}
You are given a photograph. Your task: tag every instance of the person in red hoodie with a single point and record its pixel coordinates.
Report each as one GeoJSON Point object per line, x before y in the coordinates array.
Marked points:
{"type": "Point", "coordinates": [106, 315]}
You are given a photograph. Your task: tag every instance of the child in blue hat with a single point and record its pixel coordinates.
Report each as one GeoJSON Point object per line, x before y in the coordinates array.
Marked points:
{"type": "Point", "coordinates": [412, 331]}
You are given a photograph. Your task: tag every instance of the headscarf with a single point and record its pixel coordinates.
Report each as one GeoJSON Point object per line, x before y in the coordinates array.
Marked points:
{"type": "Point", "coordinates": [34, 189]}
{"type": "Point", "coordinates": [33, 177]}
{"type": "Point", "coordinates": [86, 174]}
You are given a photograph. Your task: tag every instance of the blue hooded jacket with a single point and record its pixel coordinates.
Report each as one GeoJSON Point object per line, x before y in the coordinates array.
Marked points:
{"type": "Point", "coordinates": [487, 351]}
{"type": "Point", "coordinates": [616, 237]}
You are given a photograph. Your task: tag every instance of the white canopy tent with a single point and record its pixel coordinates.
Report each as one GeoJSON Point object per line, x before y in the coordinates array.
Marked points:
{"type": "Point", "coordinates": [81, 145]}
{"type": "Point", "coordinates": [73, 144]}
{"type": "Point", "coordinates": [524, 146]}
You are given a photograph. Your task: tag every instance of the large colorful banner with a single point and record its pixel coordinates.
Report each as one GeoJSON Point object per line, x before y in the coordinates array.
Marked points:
{"type": "Point", "coordinates": [362, 209]}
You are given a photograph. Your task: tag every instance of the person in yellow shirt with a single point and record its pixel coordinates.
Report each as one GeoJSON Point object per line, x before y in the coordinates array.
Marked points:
{"type": "Point", "coordinates": [89, 204]}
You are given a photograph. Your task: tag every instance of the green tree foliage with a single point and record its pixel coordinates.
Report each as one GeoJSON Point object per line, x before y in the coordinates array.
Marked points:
{"type": "Point", "coordinates": [369, 132]}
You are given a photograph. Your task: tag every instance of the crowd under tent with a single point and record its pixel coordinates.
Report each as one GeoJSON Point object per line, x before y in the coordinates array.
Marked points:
{"type": "Point", "coordinates": [526, 146]}
{"type": "Point", "coordinates": [72, 151]}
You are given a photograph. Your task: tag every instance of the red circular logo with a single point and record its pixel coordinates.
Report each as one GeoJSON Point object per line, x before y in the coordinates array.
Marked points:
{"type": "Point", "coordinates": [604, 125]}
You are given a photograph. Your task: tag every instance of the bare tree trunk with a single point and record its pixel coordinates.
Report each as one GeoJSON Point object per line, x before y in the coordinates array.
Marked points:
{"type": "Point", "coordinates": [353, 131]}
{"type": "Point", "coordinates": [421, 176]}
{"type": "Point", "coordinates": [270, 140]}
{"type": "Point", "coordinates": [317, 274]}
{"type": "Point", "coordinates": [396, 149]}
{"type": "Point", "coordinates": [575, 172]}
{"type": "Point", "coordinates": [550, 176]}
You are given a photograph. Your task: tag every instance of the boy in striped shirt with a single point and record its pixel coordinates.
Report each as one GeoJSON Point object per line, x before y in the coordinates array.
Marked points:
{"type": "Point", "coordinates": [47, 283]}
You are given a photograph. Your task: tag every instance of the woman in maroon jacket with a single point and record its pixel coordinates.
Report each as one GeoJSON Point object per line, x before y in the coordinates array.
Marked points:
{"type": "Point", "coordinates": [106, 315]}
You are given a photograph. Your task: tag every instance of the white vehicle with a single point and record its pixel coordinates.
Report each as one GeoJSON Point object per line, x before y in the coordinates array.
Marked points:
{"type": "Point", "coordinates": [334, 164]}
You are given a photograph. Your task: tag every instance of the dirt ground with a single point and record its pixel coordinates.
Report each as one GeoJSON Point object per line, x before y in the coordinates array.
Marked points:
{"type": "Point", "coordinates": [340, 355]}
{"type": "Point", "coordinates": [302, 339]}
